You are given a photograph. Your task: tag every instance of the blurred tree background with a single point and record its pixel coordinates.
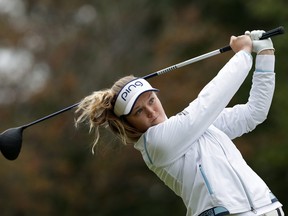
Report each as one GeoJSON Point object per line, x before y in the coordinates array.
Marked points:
{"type": "Point", "coordinates": [53, 53]}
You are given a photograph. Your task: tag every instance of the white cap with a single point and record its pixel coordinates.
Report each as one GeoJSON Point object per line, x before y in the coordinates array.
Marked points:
{"type": "Point", "coordinates": [128, 95]}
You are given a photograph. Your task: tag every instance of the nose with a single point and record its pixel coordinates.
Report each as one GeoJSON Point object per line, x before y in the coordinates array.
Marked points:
{"type": "Point", "coordinates": [150, 112]}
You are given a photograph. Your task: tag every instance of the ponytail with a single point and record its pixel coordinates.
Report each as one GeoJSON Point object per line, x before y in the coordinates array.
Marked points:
{"type": "Point", "coordinates": [97, 110]}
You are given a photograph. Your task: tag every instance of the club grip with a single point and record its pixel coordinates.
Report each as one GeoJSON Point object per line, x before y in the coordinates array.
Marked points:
{"type": "Point", "coordinates": [273, 32]}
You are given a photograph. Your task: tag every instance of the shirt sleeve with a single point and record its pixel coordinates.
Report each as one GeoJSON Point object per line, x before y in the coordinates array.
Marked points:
{"type": "Point", "coordinates": [244, 118]}
{"type": "Point", "coordinates": [169, 140]}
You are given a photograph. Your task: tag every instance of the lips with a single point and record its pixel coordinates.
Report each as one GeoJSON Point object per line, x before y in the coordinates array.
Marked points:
{"type": "Point", "coordinates": [154, 120]}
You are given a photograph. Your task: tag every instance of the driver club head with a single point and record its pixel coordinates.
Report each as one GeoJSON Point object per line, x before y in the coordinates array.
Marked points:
{"type": "Point", "coordinates": [11, 142]}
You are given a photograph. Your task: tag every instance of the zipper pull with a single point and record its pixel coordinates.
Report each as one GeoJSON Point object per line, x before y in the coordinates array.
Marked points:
{"type": "Point", "coordinates": [253, 210]}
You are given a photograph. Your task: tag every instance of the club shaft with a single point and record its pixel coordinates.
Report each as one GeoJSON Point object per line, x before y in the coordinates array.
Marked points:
{"type": "Point", "coordinates": [50, 116]}
{"type": "Point", "coordinates": [182, 64]}
{"type": "Point", "coordinates": [273, 32]}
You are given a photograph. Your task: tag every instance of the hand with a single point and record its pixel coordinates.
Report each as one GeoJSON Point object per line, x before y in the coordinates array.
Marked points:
{"type": "Point", "coordinates": [260, 45]}
{"type": "Point", "coordinates": [243, 42]}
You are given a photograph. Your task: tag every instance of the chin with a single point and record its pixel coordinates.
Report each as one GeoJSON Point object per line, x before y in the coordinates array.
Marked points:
{"type": "Point", "coordinates": [161, 119]}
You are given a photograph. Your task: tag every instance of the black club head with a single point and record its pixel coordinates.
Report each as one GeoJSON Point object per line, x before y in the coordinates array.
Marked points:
{"type": "Point", "coordinates": [11, 142]}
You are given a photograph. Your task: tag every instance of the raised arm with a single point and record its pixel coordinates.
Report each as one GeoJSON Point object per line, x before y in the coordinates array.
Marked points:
{"type": "Point", "coordinates": [244, 118]}
{"type": "Point", "coordinates": [172, 138]}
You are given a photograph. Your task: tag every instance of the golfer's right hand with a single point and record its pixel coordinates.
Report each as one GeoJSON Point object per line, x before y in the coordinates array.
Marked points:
{"type": "Point", "coordinates": [242, 42]}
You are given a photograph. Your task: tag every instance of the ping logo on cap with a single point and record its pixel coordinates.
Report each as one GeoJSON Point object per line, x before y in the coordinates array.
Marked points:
{"type": "Point", "coordinates": [130, 88]}
{"type": "Point", "coordinates": [129, 94]}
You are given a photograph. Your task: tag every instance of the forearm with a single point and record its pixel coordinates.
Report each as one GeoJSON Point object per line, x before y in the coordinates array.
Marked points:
{"type": "Point", "coordinates": [262, 90]}
{"type": "Point", "coordinates": [263, 84]}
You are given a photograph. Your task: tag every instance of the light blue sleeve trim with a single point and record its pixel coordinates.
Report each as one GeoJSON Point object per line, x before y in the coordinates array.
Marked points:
{"type": "Point", "coordinates": [145, 148]}
{"type": "Point", "coordinates": [263, 71]}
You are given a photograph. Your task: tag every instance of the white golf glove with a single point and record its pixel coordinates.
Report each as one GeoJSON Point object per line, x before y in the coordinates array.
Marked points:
{"type": "Point", "coordinates": [259, 45]}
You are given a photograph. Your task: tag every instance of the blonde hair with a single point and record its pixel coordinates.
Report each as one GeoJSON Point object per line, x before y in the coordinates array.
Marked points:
{"type": "Point", "coordinates": [97, 110]}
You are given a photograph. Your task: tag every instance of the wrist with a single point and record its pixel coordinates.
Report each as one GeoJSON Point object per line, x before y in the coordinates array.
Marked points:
{"type": "Point", "coordinates": [247, 49]}
{"type": "Point", "coordinates": [267, 52]}
{"type": "Point", "coordinates": [265, 63]}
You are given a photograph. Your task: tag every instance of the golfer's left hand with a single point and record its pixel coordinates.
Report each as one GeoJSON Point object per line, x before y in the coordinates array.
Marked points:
{"type": "Point", "coordinates": [259, 45]}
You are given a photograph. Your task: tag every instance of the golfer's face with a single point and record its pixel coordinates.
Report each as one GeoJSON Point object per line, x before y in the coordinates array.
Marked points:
{"type": "Point", "coordinates": [147, 112]}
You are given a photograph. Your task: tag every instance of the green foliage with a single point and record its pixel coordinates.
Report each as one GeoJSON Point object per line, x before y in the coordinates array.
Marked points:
{"type": "Point", "coordinates": [84, 46]}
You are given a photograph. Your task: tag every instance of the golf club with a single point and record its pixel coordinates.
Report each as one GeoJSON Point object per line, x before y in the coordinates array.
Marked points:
{"type": "Point", "coordinates": [11, 139]}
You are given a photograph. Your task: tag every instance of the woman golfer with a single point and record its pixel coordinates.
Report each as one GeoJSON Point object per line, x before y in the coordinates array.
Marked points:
{"type": "Point", "coordinates": [192, 152]}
